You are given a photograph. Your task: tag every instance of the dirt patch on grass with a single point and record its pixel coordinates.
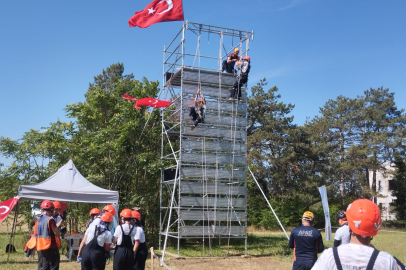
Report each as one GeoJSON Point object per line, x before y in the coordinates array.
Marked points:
{"type": "Point", "coordinates": [237, 263]}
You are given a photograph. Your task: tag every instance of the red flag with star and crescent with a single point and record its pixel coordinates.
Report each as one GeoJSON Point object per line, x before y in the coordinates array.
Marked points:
{"type": "Point", "coordinates": [6, 207]}
{"type": "Point", "coordinates": [158, 11]}
{"type": "Point", "coordinates": [151, 102]}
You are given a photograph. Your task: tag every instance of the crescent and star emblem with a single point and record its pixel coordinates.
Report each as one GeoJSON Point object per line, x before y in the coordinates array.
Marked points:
{"type": "Point", "coordinates": [170, 6]}
{"type": "Point", "coordinates": [5, 207]}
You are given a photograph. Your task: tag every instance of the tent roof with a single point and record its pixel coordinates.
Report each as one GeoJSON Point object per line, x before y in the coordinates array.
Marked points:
{"type": "Point", "coordinates": [67, 185]}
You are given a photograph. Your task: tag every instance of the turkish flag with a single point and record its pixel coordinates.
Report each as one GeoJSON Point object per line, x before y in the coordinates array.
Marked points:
{"type": "Point", "coordinates": [151, 102]}
{"type": "Point", "coordinates": [6, 207]}
{"type": "Point", "coordinates": [158, 11]}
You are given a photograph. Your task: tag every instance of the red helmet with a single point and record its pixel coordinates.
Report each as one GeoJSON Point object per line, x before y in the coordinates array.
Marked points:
{"type": "Point", "coordinates": [47, 205]}
{"type": "Point", "coordinates": [200, 100]}
{"type": "Point", "coordinates": [107, 217]}
{"type": "Point", "coordinates": [247, 58]}
{"type": "Point", "coordinates": [126, 213]}
{"type": "Point", "coordinates": [364, 217]}
{"type": "Point", "coordinates": [109, 208]}
{"type": "Point", "coordinates": [94, 211]}
{"type": "Point", "coordinates": [136, 215]}
{"type": "Point", "coordinates": [57, 205]}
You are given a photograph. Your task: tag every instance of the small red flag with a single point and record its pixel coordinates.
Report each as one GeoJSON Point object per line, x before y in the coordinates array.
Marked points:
{"type": "Point", "coordinates": [6, 207]}
{"type": "Point", "coordinates": [158, 11]}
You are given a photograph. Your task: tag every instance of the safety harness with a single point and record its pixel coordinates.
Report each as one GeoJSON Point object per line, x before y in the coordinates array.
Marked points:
{"type": "Point", "coordinates": [126, 240]}
{"type": "Point", "coordinates": [370, 265]}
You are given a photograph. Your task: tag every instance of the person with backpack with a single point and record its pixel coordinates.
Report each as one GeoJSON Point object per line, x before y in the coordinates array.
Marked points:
{"type": "Point", "coordinates": [306, 242]}
{"type": "Point", "coordinates": [342, 235]}
{"type": "Point", "coordinates": [124, 240]}
{"type": "Point", "coordinates": [245, 66]}
{"type": "Point", "coordinates": [141, 250]}
{"type": "Point", "coordinates": [364, 221]}
{"type": "Point", "coordinates": [95, 243]}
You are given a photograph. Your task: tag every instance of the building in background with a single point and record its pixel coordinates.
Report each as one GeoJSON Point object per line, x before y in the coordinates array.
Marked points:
{"type": "Point", "coordinates": [383, 188]}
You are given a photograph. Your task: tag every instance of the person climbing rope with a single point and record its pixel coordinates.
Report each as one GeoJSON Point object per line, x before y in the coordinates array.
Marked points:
{"type": "Point", "coordinates": [242, 78]}
{"type": "Point", "coordinates": [95, 243]}
{"type": "Point", "coordinates": [306, 242]}
{"type": "Point", "coordinates": [342, 235]}
{"type": "Point", "coordinates": [228, 65]}
{"type": "Point", "coordinates": [364, 220]}
{"type": "Point", "coordinates": [198, 112]}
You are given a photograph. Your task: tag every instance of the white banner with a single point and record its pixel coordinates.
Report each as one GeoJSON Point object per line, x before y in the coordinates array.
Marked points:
{"type": "Point", "coordinates": [324, 201]}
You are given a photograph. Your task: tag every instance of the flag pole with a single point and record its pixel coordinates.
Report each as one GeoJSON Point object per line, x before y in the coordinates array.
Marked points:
{"type": "Point", "coordinates": [12, 231]}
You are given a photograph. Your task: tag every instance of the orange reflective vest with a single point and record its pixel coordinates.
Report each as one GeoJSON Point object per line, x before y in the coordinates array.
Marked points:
{"type": "Point", "coordinates": [32, 242]}
{"type": "Point", "coordinates": [44, 239]}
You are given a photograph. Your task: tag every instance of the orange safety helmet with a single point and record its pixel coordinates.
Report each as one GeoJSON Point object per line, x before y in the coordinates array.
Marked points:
{"type": "Point", "coordinates": [200, 100]}
{"type": "Point", "coordinates": [126, 213]}
{"type": "Point", "coordinates": [57, 205]}
{"type": "Point", "coordinates": [247, 58]}
{"type": "Point", "coordinates": [136, 215]}
{"type": "Point", "coordinates": [107, 217]}
{"type": "Point", "coordinates": [364, 217]}
{"type": "Point", "coordinates": [94, 211]}
{"type": "Point", "coordinates": [47, 205]}
{"type": "Point", "coordinates": [109, 208]}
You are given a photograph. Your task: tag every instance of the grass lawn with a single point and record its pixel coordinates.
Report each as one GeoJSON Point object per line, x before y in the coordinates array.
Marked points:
{"type": "Point", "coordinates": [267, 250]}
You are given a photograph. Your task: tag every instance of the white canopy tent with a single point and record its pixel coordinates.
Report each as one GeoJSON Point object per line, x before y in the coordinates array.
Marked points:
{"type": "Point", "coordinates": [67, 185]}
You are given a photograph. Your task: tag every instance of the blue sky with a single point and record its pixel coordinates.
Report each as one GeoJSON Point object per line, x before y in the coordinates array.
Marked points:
{"type": "Point", "coordinates": [312, 50]}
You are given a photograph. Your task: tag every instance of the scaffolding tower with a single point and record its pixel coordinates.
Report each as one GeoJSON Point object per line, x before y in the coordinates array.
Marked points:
{"type": "Point", "coordinates": [204, 184]}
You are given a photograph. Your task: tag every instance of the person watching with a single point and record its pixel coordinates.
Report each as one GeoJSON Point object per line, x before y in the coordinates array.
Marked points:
{"type": "Point", "coordinates": [342, 235]}
{"type": "Point", "coordinates": [306, 242]}
{"type": "Point", "coordinates": [364, 221]}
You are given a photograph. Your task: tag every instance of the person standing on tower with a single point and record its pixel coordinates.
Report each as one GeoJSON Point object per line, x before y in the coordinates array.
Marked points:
{"type": "Point", "coordinates": [228, 65]}
{"type": "Point", "coordinates": [245, 65]}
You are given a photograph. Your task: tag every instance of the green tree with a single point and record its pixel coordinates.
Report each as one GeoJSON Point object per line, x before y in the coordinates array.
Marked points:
{"type": "Point", "coordinates": [398, 186]}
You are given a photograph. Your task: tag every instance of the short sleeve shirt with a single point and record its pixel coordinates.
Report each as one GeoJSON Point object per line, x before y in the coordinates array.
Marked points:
{"type": "Point", "coordinates": [343, 234]}
{"type": "Point", "coordinates": [234, 56]}
{"type": "Point", "coordinates": [307, 242]}
{"type": "Point", "coordinates": [103, 238]}
{"type": "Point", "coordinates": [57, 219]}
{"type": "Point", "coordinates": [140, 235]}
{"type": "Point", "coordinates": [119, 233]}
{"type": "Point", "coordinates": [354, 256]}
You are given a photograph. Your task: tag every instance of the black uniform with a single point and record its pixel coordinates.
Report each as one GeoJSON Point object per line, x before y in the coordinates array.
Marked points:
{"type": "Point", "coordinates": [124, 254]}
{"type": "Point", "coordinates": [93, 255]}
{"type": "Point", "coordinates": [243, 79]}
{"type": "Point", "coordinates": [307, 242]}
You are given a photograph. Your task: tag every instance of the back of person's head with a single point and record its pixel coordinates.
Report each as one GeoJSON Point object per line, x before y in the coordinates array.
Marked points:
{"type": "Point", "coordinates": [109, 208]}
{"type": "Point", "coordinates": [126, 215]}
{"type": "Point", "coordinates": [308, 217]}
{"type": "Point", "coordinates": [341, 215]}
{"type": "Point", "coordinates": [364, 218]}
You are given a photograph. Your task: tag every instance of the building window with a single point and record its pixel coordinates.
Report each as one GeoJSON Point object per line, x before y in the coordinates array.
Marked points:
{"type": "Point", "coordinates": [379, 186]}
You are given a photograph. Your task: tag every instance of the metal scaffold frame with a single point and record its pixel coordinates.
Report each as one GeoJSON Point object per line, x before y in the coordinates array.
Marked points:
{"type": "Point", "coordinates": [204, 183]}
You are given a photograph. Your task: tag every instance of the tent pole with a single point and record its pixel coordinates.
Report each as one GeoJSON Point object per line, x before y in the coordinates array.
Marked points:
{"type": "Point", "coordinates": [12, 230]}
